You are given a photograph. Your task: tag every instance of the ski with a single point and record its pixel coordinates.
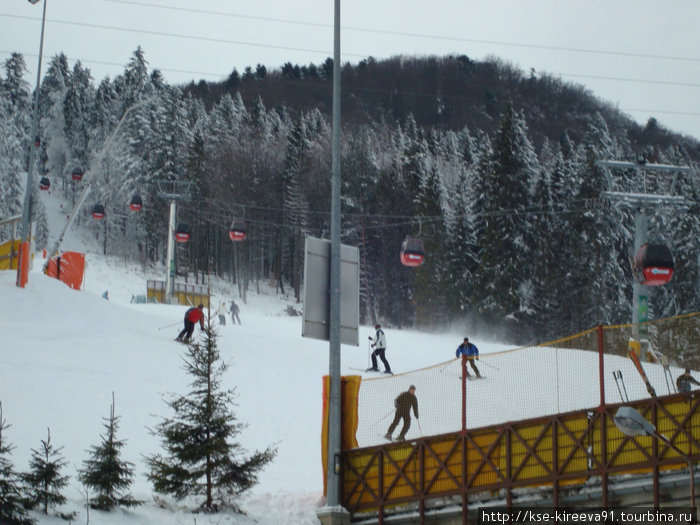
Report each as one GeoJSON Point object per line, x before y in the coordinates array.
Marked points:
{"type": "Point", "coordinates": [396, 439]}
{"type": "Point", "coordinates": [635, 359]}
{"type": "Point", "coordinates": [370, 370]}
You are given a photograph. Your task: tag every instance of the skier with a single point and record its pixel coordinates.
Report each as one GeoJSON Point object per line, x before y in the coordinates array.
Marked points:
{"type": "Point", "coordinates": [403, 404]}
{"type": "Point", "coordinates": [684, 380]}
{"type": "Point", "coordinates": [221, 312]}
{"type": "Point", "coordinates": [234, 312]}
{"type": "Point", "coordinates": [379, 345]}
{"type": "Point", "coordinates": [472, 353]}
{"type": "Point", "coordinates": [192, 316]}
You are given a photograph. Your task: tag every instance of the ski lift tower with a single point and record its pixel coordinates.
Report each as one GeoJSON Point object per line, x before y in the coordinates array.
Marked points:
{"type": "Point", "coordinates": [173, 191]}
{"type": "Point", "coordinates": [639, 203]}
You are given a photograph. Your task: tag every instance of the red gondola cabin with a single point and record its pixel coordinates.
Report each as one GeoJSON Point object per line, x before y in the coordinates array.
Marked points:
{"type": "Point", "coordinates": [182, 233]}
{"type": "Point", "coordinates": [653, 264]}
{"type": "Point", "coordinates": [412, 252]}
{"type": "Point", "coordinates": [98, 211]}
{"type": "Point", "coordinates": [136, 203]}
{"type": "Point", "coordinates": [238, 231]}
{"type": "Point", "coordinates": [77, 174]}
{"type": "Point", "coordinates": [44, 183]}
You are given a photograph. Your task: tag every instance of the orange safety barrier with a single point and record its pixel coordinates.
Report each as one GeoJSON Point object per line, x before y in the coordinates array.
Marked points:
{"type": "Point", "coordinates": [69, 267]}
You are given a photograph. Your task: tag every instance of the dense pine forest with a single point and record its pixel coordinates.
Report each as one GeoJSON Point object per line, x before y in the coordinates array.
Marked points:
{"type": "Point", "coordinates": [496, 170]}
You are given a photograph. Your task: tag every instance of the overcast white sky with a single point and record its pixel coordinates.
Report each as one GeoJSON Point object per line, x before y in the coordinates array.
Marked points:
{"type": "Point", "coordinates": [642, 55]}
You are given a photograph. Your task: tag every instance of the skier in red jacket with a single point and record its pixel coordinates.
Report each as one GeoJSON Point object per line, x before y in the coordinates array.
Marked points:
{"type": "Point", "coordinates": [192, 316]}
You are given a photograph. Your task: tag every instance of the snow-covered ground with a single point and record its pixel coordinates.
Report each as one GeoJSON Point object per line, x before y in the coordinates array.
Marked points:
{"type": "Point", "coordinates": [65, 352]}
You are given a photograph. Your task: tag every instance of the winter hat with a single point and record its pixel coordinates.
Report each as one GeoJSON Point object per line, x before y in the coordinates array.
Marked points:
{"type": "Point", "coordinates": [377, 326]}
{"type": "Point", "coordinates": [412, 387]}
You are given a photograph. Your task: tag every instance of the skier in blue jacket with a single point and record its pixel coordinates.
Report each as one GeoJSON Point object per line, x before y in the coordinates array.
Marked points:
{"type": "Point", "coordinates": [472, 353]}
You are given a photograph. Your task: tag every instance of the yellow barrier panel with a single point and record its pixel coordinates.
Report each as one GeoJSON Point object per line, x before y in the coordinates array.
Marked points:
{"type": "Point", "coordinates": [9, 254]}
{"type": "Point", "coordinates": [564, 449]}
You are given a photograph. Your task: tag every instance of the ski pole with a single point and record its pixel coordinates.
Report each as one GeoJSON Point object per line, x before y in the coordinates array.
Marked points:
{"type": "Point", "coordinates": [617, 384]}
{"type": "Point", "coordinates": [419, 427]}
{"type": "Point", "coordinates": [169, 325]}
{"type": "Point", "coordinates": [382, 419]}
{"type": "Point", "coordinates": [623, 385]}
{"type": "Point", "coordinates": [494, 367]}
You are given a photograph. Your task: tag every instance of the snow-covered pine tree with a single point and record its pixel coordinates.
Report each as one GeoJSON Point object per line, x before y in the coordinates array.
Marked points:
{"type": "Point", "coordinates": [504, 185]}
{"type": "Point", "coordinates": [79, 108]}
{"type": "Point", "coordinates": [200, 457]}
{"type": "Point", "coordinates": [429, 287]}
{"type": "Point", "coordinates": [106, 473]}
{"type": "Point", "coordinates": [294, 205]}
{"type": "Point", "coordinates": [12, 511]}
{"type": "Point", "coordinates": [14, 139]}
{"type": "Point", "coordinates": [44, 481]}
{"type": "Point", "coordinates": [460, 254]}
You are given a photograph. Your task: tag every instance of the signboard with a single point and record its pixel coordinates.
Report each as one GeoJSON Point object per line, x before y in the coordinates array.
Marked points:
{"type": "Point", "coordinates": [316, 317]}
{"type": "Point", "coordinates": [643, 316]}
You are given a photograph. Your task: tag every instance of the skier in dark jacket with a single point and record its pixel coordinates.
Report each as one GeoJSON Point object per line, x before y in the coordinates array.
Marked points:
{"type": "Point", "coordinates": [403, 403]}
{"type": "Point", "coordinates": [472, 353]}
{"type": "Point", "coordinates": [684, 380]}
{"type": "Point", "coordinates": [234, 312]}
{"type": "Point", "coordinates": [192, 316]}
{"type": "Point", "coordinates": [379, 345]}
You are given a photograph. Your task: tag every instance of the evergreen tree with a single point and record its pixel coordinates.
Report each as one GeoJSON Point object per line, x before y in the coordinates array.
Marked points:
{"type": "Point", "coordinates": [200, 457]}
{"type": "Point", "coordinates": [503, 234]}
{"type": "Point", "coordinates": [78, 108]}
{"type": "Point", "coordinates": [44, 481]}
{"type": "Point", "coordinates": [11, 170]}
{"type": "Point", "coordinates": [294, 205]}
{"type": "Point", "coordinates": [429, 294]}
{"type": "Point", "coordinates": [106, 473]}
{"type": "Point", "coordinates": [12, 510]}
{"type": "Point", "coordinates": [135, 83]}
{"type": "Point", "coordinates": [15, 89]}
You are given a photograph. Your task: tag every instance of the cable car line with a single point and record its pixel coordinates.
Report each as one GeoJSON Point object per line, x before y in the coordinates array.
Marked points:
{"type": "Point", "coordinates": [408, 34]}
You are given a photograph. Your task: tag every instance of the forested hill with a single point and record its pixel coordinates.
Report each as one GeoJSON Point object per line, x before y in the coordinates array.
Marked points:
{"type": "Point", "coordinates": [447, 93]}
{"type": "Point", "coordinates": [496, 171]}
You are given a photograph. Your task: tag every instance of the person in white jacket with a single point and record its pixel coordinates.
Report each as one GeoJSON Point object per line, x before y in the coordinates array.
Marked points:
{"type": "Point", "coordinates": [379, 345]}
{"type": "Point", "coordinates": [221, 312]}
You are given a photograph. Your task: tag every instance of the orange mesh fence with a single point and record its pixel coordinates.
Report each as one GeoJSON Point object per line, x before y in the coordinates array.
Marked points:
{"type": "Point", "coordinates": [439, 402]}
{"type": "Point", "coordinates": [530, 382]}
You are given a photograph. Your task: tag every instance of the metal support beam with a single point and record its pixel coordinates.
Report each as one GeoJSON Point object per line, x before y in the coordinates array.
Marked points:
{"type": "Point", "coordinates": [27, 210]}
{"type": "Point", "coordinates": [333, 475]}
{"type": "Point", "coordinates": [170, 263]}
{"type": "Point", "coordinates": [640, 303]}
{"type": "Point", "coordinates": [33, 146]}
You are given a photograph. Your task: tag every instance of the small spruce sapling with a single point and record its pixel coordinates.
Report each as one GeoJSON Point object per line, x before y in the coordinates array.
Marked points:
{"type": "Point", "coordinates": [105, 473]}
{"type": "Point", "coordinates": [12, 500]}
{"type": "Point", "coordinates": [44, 481]}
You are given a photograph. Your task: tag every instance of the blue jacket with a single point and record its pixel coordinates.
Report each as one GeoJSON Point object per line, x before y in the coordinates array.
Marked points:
{"type": "Point", "coordinates": [469, 349]}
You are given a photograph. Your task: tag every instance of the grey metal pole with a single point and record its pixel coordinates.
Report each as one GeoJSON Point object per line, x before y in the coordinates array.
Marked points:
{"type": "Point", "coordinates": [27, 210]}
{"type": "Point", "coordinates": [640, 303]}
{"type": "Point", "coordinates": [170, 264]}
{"type": "Point", "coordinates": [334, 415]}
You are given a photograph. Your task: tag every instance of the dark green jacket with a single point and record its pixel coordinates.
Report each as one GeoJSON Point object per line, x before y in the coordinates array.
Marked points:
{"type": "Point", "coordinates": [404, 402]}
